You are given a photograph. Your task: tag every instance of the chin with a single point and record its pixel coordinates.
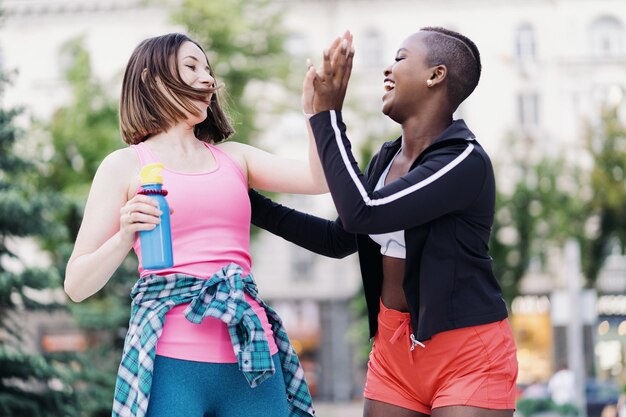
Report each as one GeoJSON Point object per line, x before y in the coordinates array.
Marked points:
{"type": "Point", "coordinates": [385, 109]}
{"type": "Point", "coordinates": [390, 114]}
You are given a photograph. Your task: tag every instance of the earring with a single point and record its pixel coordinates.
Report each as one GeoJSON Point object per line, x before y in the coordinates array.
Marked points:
{"type": "Point", "coordinates": [429, 83]}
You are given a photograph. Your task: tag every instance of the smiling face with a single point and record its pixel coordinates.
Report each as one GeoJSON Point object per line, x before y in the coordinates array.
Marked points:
{"type": "Point", "coordinates": [405, 80]}
{"type": "Point", "coordinates": [168, 81]}
{"type": "Point", "coordinates": [194, 70]}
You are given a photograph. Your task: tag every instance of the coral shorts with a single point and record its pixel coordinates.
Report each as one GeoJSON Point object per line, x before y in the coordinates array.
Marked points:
{"type": "Point", "coordinates": [471, 366]}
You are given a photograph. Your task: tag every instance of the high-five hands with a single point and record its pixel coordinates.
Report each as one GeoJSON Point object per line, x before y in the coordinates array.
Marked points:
{"type": "Point", "coordinates": [326, 89]}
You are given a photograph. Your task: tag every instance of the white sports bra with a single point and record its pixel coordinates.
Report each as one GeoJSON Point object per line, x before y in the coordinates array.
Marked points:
{"type": "Point", "coordinates": [392, 243]}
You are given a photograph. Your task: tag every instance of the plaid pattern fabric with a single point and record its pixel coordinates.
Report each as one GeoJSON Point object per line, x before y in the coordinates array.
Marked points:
{"type": "Point", "coordinates": [222, 297]}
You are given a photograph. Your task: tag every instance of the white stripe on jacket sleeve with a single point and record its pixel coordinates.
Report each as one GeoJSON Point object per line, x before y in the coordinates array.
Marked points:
{"type": "Point", "coordinates": [393, 197]}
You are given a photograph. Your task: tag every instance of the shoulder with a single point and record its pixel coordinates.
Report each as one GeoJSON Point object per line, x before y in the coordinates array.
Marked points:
{"type": "Point", "coordinates": [235, 150]}
{"type": "Point", "coordinates": [458, 148]}
{"type": "Point", "coordinates": [460, 155]}
{"type": "Point", "coordinates": [121, 160]}
{"type": "Point", "coordinates": [118, 169]}
{"type": "Point", "coordinates": [232, 147]}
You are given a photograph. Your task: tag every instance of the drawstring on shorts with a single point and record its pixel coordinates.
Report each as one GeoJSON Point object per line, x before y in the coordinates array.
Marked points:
{"type": "Point", "coordinates": [405, 330]}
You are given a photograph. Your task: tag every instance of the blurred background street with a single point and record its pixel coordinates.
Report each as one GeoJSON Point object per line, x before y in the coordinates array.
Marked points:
{"type": "Point", "coordinates": [349, 409]}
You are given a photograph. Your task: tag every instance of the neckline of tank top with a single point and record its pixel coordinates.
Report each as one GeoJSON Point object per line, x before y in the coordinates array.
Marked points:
{"type": "Point", "coordinates": [383, 177]}
{"type": "Point", "coordinates": [211, 149]}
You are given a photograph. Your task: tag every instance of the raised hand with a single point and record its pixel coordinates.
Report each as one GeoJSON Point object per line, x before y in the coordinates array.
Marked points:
{"type": "Point", "coordinates": [331, 82]}
{"type": "Point", "coordinates": [308, 90]}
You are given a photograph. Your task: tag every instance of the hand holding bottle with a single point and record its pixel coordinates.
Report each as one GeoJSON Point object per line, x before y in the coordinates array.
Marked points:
{"type": "Point", "coordinates": [156, 244]}
{"type": "Point", "coordinates": [141, 213]}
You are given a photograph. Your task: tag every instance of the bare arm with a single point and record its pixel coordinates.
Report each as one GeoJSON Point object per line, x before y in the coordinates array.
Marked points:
{"type": "Point", "coordinates": [109, 225]}
{"type": "Point", "coordinates": [271, 172]}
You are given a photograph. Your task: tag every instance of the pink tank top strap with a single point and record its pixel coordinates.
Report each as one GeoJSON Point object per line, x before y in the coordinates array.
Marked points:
{"type": "Point", "coordinates": [144, 154]}
{"type": "Point", "coordinates": [225, 158]}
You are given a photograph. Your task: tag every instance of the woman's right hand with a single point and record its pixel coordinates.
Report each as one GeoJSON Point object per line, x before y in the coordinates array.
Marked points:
{"type": "Point", "coordinates": [138, 214]}
{"type": "Point", "coordinates": [308, 91]}
{"type": "Point", "coordinates": [331, 83]}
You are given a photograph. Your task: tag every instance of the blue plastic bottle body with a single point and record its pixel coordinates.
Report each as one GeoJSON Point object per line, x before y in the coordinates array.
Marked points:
{"type": "Point", "coordinates": [156, 244]}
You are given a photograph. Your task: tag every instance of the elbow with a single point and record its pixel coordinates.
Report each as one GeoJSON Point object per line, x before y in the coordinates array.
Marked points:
{"type": "Point", "coordinates": [355, 220]}
{"type": "Point", "coordinates": [73, 295]}
{"type": "Point", "coordinates": [317, 185]}
{"type": "Point", "coordinates": [351, 226]}
{"type": "Point", "coordinates": [320, 189]}
{"type": "Point", "coordinates": [71, 291]}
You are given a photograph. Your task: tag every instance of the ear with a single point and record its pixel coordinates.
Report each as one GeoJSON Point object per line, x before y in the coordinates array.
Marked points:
{"type": "Point", "coordinates": [144, 74]}
{"type": "Point", "coordinates": [438, 74]}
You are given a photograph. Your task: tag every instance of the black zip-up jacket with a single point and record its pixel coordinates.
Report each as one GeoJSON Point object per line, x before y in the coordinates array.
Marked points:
{"type": "Point", "coordinates": [445, 204]}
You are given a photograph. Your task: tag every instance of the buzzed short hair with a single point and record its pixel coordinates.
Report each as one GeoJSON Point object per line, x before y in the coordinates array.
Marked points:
{"type": "Point", "coordinates": [460, 55]}
{"type": "Point", "coordinates": [145, 109]}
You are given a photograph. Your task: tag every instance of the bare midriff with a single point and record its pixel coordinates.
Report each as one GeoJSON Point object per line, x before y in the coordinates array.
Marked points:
{"type": "Point", "coordinates": [393, 276]}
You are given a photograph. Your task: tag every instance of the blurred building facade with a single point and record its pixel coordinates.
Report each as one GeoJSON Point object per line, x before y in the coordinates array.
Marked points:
{"type": "Point", "coordinates": [548, 66]}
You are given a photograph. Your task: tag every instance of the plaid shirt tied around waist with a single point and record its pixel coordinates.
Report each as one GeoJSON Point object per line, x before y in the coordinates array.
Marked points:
{"type": "Point", "coordinates": [221, 297]}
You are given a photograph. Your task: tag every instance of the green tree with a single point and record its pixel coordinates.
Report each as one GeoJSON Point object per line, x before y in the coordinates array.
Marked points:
{"type": "Point", "coordinates": [31, 384]}
{"type": "Point", "coordinates": [543, 209]}
{"type": "Point", "coordinates": [552, 201]}
{"type": "Point", "coordinates": [606, 144]}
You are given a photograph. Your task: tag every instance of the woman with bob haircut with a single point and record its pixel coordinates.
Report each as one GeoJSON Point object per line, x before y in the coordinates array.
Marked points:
{"type": "Point", "coordinates": [420, 217]}
{"type": "Point", "coordinates": [200, 341]}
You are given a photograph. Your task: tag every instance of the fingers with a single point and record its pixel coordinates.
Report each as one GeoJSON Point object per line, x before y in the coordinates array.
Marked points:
{"type": "Point", "coordinates": [327, 69]}
{"type": "Point", "coordinates": [330, 83]}
{"type": "Point", "coordinates": [338, 58]}
{"type": "Point", "coordinates": [336, 43]}
{"type": "Point", "coordinates": [139, 213]}
{"type": "Point", "coordinates": [348, 67]}
{"type": "Point", "coordinates": [308, 89]}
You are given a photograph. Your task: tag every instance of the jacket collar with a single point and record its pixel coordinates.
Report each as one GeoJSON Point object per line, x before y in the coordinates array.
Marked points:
{"type": "Point", "coordinates": [457, 131]}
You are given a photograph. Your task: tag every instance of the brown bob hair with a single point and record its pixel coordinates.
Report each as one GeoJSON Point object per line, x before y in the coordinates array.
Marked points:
{"type": "Point", "coordinates": [145, 109]}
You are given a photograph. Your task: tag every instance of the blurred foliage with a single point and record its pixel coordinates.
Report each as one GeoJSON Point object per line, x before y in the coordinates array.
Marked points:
{"type": "Point", "coordinates": [543, 210]}
{"type": "Point", "coordinates": [30, 384]}
{"type": "Point", "coordinates": [553, 200]}
{"type": "Point", "coordinates": [528, 407]}
{"type": "Point", "coordinates": [606, 142]}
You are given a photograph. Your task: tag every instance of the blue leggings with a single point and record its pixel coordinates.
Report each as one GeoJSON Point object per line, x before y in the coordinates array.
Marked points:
{"type": "Point", "coordinates": [200, 389]}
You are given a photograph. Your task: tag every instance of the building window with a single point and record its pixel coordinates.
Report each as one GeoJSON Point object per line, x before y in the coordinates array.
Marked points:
{"type": "Point", "coordinates": [372, 47]}
{"type": "Point", "coordinates": [607, 37]}
{"type": "Point", "coordinates": [525, 46]}
{"type": "Point", "coordinates": [528, 109]}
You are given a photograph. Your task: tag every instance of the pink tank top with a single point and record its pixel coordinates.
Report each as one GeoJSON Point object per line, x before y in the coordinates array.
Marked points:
{"type": "Point", "coordinates": [210, 229]}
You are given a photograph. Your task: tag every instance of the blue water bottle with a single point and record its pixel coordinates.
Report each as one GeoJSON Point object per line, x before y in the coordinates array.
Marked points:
{"type": "Point", "coordinates": [156, 244]}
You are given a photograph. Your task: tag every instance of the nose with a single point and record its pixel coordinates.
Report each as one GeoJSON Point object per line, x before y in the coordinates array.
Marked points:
{"type": "Point", "coordinates": [207, 79]}
{"type": "Point", "coordinates": [387, 71]}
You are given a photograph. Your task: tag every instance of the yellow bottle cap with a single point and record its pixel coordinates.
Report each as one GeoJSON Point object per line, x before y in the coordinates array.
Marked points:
{"type": "Point", "coordinates": [150, 174]}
